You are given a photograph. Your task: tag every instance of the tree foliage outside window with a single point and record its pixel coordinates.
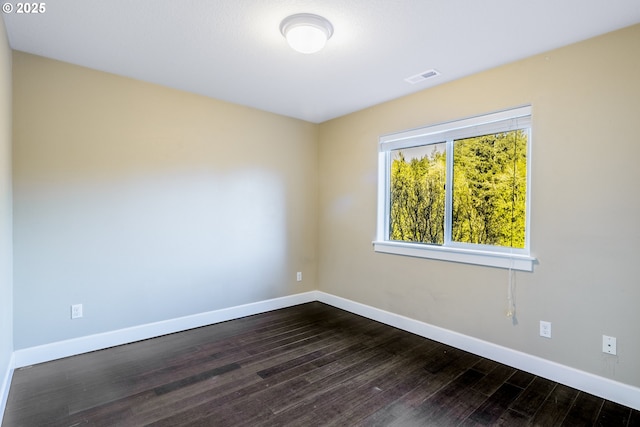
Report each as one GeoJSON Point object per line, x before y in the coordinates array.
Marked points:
{"type": "Point", "coordinates": [417, 195]}
{"type": "Point", "coordinates": [488, 197]}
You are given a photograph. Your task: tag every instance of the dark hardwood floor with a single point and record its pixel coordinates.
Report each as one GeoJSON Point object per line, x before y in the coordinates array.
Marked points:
{"type": "Point", "coordinates": [309, 365]}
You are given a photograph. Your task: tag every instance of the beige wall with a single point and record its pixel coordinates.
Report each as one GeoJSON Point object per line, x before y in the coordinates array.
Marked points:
{"type": "Point", "coordinates": [145, 203]}
{"type": "Point", "coordinates": [6, 250]}
{"type": "Point", "coordinates": [585, 200]}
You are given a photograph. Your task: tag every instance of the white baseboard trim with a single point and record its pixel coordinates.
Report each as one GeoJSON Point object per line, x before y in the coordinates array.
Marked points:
{"type": "Point", "coordinates": [605, 388]}
{"type": "Point", "coordinates": [621, 393]}
{"type": "Point", "coordinates": [4, 386]}
{"type": "Point", "coordinates": [57, 350]}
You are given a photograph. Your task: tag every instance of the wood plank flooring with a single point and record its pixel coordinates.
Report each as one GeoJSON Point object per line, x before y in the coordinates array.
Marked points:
{"type": "Point", "coordinates": [308, 365]}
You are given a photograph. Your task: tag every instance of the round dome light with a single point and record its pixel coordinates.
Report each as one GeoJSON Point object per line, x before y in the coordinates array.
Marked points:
{"type": "Point", "coordinates": [305, 32]}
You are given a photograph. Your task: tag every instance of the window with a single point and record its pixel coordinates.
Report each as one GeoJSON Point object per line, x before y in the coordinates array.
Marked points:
{"type": "Point", "coordinates": [458, 191]}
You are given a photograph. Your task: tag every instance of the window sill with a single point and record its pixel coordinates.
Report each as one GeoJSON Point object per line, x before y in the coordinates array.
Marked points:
{"type": "Point", "coordinates": [466, 256]}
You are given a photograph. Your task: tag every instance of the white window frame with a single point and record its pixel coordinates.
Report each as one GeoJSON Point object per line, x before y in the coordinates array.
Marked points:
{"type": "Point", "coordinates": [487, 255]}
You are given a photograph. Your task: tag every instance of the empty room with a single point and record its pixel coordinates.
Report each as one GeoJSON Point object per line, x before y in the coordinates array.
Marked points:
{"type": "Point", "coordinates": [246, 212]}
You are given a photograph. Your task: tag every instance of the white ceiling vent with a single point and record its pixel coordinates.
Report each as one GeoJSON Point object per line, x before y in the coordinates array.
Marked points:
{"type": "Point", "coordinates": [422, 76]}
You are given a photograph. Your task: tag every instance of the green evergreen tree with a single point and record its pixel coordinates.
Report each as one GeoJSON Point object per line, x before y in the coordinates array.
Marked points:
{"type": "Point", "coordinates": [489, 197]}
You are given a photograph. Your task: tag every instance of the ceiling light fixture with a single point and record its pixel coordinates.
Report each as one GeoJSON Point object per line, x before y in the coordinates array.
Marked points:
{"type": "Point", "coordinates": [305, 32]}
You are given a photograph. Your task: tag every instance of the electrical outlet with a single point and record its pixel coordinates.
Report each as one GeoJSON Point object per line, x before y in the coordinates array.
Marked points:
{"type": "Point", "coordinates": [299, 276]}
{"type": "Point", "coordinates": [545, 329]}
{"type": "Point", "coordinates": [609, 345]}
{"type": "Point", "coordinates": [76, 311]}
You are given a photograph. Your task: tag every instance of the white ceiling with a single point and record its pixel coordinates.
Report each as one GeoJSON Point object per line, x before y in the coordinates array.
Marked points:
{"type": "Point", "coordinates": [233, 50]}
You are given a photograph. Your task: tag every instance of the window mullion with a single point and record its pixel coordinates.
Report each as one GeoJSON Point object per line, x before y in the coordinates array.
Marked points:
{"type": "Point", "coordinates": [448, 194]}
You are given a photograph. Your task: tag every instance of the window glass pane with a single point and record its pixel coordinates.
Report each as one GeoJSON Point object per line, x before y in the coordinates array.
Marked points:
{"type": "Point", "coordinates": [417, 194]}
{"type": "Point", "coordinates": [489, 189]}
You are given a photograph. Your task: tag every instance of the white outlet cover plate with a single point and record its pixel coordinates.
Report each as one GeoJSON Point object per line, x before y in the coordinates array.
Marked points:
{"type": "Point", "coordinates": [76, 311]}
{"type": "Point", "coordinates": [545, 329]}
{"type": "Point", "coordinates": [609, 345]}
